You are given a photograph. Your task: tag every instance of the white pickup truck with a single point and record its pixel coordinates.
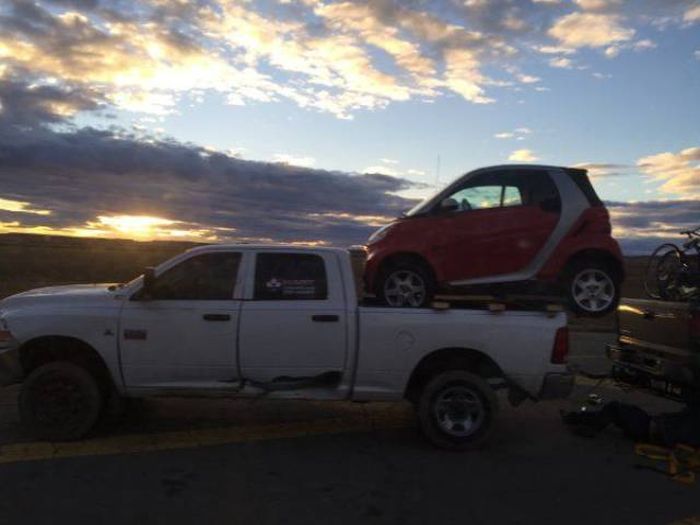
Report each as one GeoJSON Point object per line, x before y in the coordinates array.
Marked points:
{"type": "Point", "coordinates": [280, 321]}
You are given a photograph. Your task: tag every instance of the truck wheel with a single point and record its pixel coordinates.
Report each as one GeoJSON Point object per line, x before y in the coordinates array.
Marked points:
{"type": "Point", "coordinates": [406, 284]}
{"type": "Point", "coordinates": [59, 401]}
{"type": "Point", "coordinates": [592, 288]}
{"type": "Point", "coordinates": [456, 410]}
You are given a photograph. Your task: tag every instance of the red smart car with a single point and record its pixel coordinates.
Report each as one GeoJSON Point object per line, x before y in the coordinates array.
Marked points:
{"type": "Point", "coordinates": [498, 225]}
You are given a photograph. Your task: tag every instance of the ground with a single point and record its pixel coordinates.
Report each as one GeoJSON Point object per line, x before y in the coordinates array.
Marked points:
{"type": "Point", "coordinates": [221, 461]}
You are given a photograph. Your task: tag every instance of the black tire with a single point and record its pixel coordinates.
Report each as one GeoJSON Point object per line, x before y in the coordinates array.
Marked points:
{"type": "Point", "coordinates": [651, 276]}
{"type": "Point", "coordinates": [60, 401]}
{"type": "Point", "coordinates": [600, 302]}
{"type": "Point", "coordinates": [477, 408]}
{"type": "Point", "coordinates": [417, 273]}
{"type": "Point", "coordinates": [669, 274]}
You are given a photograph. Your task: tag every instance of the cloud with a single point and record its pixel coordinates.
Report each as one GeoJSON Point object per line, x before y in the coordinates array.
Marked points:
{"type": "Point", "coordinates": [678, 172]}
{"type": "Point", "coordinates": [642, 226]}
{"type": "Point", "coordinates": [597, 5]}
{"type": "Point", "coordinates": [561, 62]}
{"type": "Point", "coordinates": [517, 134]}
{"type": "Point", "coordinates": [523, 155]}
{"type": "Point", "coordinates": [595, 30]}
{"type": "Point", "coordinates": [692, 15]}
{"type": "Point", "coordinates": [58, 179]}
{"type": "Point", "coordinates": [603, 169]}
{"type": "Point", "coordinates": [294, 160]}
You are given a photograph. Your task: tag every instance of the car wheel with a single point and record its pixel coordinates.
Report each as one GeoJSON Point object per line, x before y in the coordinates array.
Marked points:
{"type": "Point", "coordinates": [60, 401]}
{"type": "Point", "coordinates": [456, 410]}
{"type": "Point", "coordinates": [406, 284]}
{"type": "Point", "coordinates": [592, 288]}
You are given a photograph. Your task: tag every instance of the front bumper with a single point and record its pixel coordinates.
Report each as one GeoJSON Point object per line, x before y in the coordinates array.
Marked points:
{"type": "Point", "coordinates": [557, 386]}
{"type": "Point", "coordinates": [10, 367]}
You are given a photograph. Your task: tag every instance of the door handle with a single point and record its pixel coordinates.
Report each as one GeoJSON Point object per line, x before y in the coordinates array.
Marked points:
{"type": "Point", "coordinates": [216, 317]}
{"type": "Point", "coordinates": [325, 318]}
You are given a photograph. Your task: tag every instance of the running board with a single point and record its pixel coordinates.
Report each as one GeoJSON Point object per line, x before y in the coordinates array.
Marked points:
{"type": "Point", "coordinates": [324, 380]}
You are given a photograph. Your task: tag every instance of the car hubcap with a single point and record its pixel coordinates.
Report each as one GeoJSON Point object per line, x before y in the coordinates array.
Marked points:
{"type": "Point", "coordinates": [593, 290]}
{"type": "Point", "coordinates": [459, 411]}
{"type": "Point", "coordinates": [404, 288]}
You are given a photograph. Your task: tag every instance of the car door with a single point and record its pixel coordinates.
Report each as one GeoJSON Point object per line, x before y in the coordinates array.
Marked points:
{"type": "Point", "coordinates": [184, 333]}
{"type": "Point", "coordinates": [466, 232]}
{"type": "Point", "coordinates": [498, 226]}
{"type": "Point", "coordinates": [294, 325]}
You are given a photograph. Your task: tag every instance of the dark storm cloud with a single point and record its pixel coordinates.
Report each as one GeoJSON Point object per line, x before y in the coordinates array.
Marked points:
{"type": "Point", "coordinates": [641, 226]}
{"type": "Point", "coordinates": [27, 105]}
{"type": "Point", "coordinates": [81, 174]}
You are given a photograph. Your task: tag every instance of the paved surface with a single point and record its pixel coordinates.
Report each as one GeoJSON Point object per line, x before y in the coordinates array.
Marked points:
{"type": "Point", "coordinates": [222, 461]}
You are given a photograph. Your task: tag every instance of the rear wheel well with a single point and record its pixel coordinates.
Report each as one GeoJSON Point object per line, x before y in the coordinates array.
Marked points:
{"type": "Point", "coordinates": [46, 349]}
{"type": "Point", "coordinates": [450, 359]}
{"type": "Point", "coordinates": [600, 256]}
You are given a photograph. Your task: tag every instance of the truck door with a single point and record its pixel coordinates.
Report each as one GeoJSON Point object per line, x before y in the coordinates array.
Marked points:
{"type": "Point", "coordinates": [184, 333]}
{"type": "Point", "coordinates": [294, 324]}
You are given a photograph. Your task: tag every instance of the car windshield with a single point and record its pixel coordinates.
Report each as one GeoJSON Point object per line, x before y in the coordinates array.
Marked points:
{"type": "Point", "coordinates": [418, 207]}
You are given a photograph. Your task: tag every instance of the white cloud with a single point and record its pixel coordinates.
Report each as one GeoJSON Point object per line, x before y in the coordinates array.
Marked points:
{"type": "Point", "coordinates": [692, 15]}
{"type": "Point", "coordinates": [517, 134]}
{"type": "Point", "coordinates": [528, 79]}
{"type": "Point", "coordinates": [641, 45]}
{"type": "Point", "coordinates": [523, 155]}
{"type": "Point", "coordinates": [596, 5]}
{"type": "Point", "coordinates": [294, 160]}
{"type": "Point", "coordinates": [594, 30]}
{"type": "Point", "coordinates": [389, 161]}
{"type": "Point", "coordinates": [554, 50]}
{"type": "Point", "coordinates": [679, 172]}
{"type": "Point", "coordinates": [561, 62]}
{"type": "Point", "coordinates": [696, 54]}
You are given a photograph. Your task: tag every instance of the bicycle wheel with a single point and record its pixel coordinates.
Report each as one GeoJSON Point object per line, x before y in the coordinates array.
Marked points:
{"type": "Point", "coordinates": [669, 275]}
{"type": "Point", "coordinates": [651, 280]}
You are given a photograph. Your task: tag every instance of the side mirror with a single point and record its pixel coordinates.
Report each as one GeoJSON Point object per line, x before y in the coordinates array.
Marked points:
{"type": "Point", "coordinates": [149, 281]}
{"type": "Point", "coordinates": [448, 205]}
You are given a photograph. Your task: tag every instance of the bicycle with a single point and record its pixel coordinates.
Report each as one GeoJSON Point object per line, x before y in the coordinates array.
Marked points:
{"type": "Point", "coordinates": [673, 273]}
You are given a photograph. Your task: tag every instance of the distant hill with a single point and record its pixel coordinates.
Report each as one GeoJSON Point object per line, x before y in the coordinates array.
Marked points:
{"type": "Point", "coordinates": [30, 261]}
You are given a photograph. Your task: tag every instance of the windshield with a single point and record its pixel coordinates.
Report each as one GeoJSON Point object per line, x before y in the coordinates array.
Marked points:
{"type": "Point", "coordinates": [418, 208]}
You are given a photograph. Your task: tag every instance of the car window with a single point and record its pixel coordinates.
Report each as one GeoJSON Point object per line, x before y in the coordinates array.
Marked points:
{"type": "Point", "coordinates": [206, 277]}
{"type": "Point", "coordinates": [539, 190]}
{"type": "Point", "coordinates": [290, 276]}
{"type": "Point", "coordinates": [478, 198]}
{"type": "Point", "coordinates": [512, 196]}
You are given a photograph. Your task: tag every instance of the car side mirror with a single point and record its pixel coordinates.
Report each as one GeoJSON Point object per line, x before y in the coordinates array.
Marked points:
{"type": "Point", "coordinates": [448, 205]}
{"type": "Point", "coordinates": [149, 281]}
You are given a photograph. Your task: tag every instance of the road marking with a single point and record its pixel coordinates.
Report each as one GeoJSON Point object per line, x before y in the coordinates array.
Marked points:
{"type": "Point", "coordinates": [136, 443]}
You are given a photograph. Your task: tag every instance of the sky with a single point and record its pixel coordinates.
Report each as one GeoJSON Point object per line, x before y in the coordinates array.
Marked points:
{"type": "Point", "coordinates": [318, 121]}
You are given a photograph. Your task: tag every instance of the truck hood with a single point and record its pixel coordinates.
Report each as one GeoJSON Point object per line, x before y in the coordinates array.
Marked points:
{"type": "Point", "coordinates": [73, 293]}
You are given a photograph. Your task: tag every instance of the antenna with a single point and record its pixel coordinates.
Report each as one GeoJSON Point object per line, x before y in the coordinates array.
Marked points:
{"type": "Point", "coordinates": [437, 173]}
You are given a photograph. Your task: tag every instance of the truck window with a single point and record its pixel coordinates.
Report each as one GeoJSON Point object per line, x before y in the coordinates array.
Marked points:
{"type": "Point", "coordinates": [290, 276]}
{"type": "Point", "coordinates": [206, 277]}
